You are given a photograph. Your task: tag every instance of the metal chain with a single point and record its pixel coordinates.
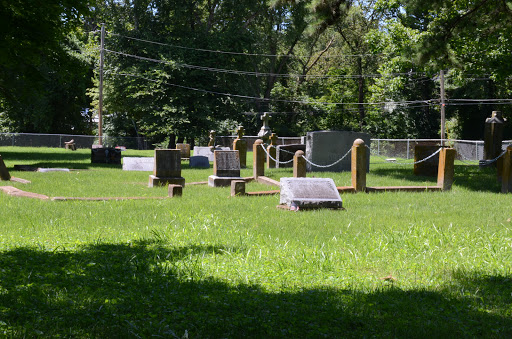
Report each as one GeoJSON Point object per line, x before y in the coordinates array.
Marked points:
{"type": "Point", "coordinates": [326, 166]}
{"type": "Point", "coordinates": [280, 162]}
{"type": "Point", "coordinates": [407, 163]}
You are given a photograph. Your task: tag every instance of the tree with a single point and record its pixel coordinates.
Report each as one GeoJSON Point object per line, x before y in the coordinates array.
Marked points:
{"type": "Point", "coordinates": [42, 83]}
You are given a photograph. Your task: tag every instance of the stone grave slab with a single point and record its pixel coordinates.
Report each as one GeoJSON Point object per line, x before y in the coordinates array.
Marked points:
{"type": "Point", "coordinates": [226, 168]}
{"type": "Point", "coordinates": [145, 164]}
{"type": "Point", "coordinates": [199, 161]}
{"type": "Point", "coordinates": [285, 153]}
{"type": "Point", "coordinates": [167, 168]}
{"type": "Point", "coordinates": [309, 193]}
{"type": "Point", "coordinates": [208, 151]}
{"type": "Point", "coordinates": [326, 147]}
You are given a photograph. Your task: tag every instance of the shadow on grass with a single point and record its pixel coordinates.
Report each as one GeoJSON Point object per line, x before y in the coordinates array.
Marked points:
{"type": "Point", "coordinates": [148, 289]}
{"type": "Point", "coordinates": [470, 177]}
{"type": "Point", "coordinates": [69, 159]}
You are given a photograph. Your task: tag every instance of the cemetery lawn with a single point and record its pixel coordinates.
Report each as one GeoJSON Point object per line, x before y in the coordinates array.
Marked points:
{"type": "Point", "coordinates": [207, 265]}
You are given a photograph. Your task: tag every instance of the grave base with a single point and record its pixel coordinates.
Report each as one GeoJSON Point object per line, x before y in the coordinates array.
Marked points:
{"type": "Point", "coordinates": [161, 181]}
{"type": "Point", "coordinates": [216, 181]}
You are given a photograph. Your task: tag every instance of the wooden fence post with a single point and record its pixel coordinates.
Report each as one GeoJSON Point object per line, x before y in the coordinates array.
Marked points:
{"type": "Point", "coordinates": [446, 168]}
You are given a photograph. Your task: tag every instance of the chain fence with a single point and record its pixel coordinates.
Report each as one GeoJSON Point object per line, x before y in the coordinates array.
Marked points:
{"type": "Point", "coordinates": [58, 140]}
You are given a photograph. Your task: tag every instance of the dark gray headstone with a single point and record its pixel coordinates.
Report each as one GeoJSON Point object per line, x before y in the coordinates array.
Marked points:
{"type": "Point", "coordinates": [105, 155]}
{"type": "Point", "coordinates": [310, 193]}
{"type": "Point", "coordinates": [138, 164]}
{"type": "Point", "coordinates": [226, 164]}
{"type": "Point", "coordinates": [199, 161]}
{"type": "Point", "coordinates": [326, 147]}
{"type": "Point", "coordinates": [285, 153]}
{"type": "Point", "coordinates": [167, 163]}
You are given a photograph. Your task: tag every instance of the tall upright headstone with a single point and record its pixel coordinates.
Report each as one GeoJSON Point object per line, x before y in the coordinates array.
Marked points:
{"type": "Point", "coordinates": [226, 168]}
{"type": "Point", "coordinates": [167, 168]}
{"type": "Point", "coordinates": [493, 135]}
{"type": "Point", "coordinates": [240, 145]}
{"type": "Point", "coordinates": [326, 147]}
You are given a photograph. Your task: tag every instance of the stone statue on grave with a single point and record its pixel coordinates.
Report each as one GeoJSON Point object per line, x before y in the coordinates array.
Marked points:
{"type": "Point", "coordinates": [211, 143]}
{"type": "Point", "coordinates": [265, 131]}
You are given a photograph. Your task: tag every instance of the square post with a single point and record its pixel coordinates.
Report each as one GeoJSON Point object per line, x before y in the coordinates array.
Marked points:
{"type": "Point", "coordinates": [258, 154]}
{"type": "Point", "coordinates": [446, 168]}
{"type": "Point", "coordinates": [299, 165]}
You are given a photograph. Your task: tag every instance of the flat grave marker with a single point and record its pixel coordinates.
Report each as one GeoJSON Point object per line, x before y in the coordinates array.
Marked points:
{"type": "Point", "coordinates": [146, 164]}
{"type": "Point", "coordinates": [309, 193]}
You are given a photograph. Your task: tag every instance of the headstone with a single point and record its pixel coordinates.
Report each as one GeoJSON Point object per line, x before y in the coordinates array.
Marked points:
{"type": "Point", "coordinates": [326, 147]}
{"type": "Point", "coordinates": [105, 155]}
{"type": "Point", "coordinates": [309, 193]}
{"type": "Point", "coordinates": [138, 164]}
{"type": "Point", "coordinates": [493, 135]}
{"type": "Point", "coordinates": [428, 167]}
{"type": "Point", "coordinates": [285, 153]}
{"type": "Point", "coordinates": [45, 170]}
{"type": "Point", "coordinates": [4, 173]}
{"type": "Point", "coordinates": [199, 161]}
{"type": "Point", "coordinates": [226, 168]}
{"type": "Point", "coordinates": [240, 145]}
{"type": "Point", "coordinates": [208, 151]}
{"type": "Point", "coordinates": [167, 168]}
{"type": "Point", "coordinates": [184, 149]}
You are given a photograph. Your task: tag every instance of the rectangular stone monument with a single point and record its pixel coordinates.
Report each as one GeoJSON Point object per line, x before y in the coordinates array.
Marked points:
{"type": "Point", "coordinates": [428, 167]}
{"type": "Point", "coordinates": [226, 168]}
{"type": "Point", "coordinates": [285, 153]}
{"type": "Point", "coordinates": [326, 147]}
{"type": "Point", "coordinates": [184, 149]}
{"type": "Point", "coordinates": [309, 193]}
{"type": "Point", "coordinates": [199, 161]}
{"type": "Point", "coordinates": [208, 151]}
{"type": "Point", "coordinates": [146, 164]}
{"type": "Point", "coordinates": [108, 155]}
{"type": "Point", "coordinates": [167, 168]}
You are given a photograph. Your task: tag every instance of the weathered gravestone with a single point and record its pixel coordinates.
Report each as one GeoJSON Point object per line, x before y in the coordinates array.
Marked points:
{"type": "Point", "coordinates": [285, 153]}
{"type": "Point", "coordinates": [167, 168]}
{"type": "Point", "coordinates": [309, 193]}
{"type": "Point", "coordinates": [138, 164]}
{"type": "Point", "coordinates": [184, 149]}
{"type": "Point", "coordinates": [226, 168]}
{"type": "Point", "coordinates": [326, 147]}
{"type": "Point", "coordinates": [4, 173]}
{"type": "Point", "coordinates": [199, 161]}
{"type": "Point", "coordinates": [208, 151]}
{"type": "Point", "coordinates": [240, 145]}
{"type": "Point", "coordinates": [428, 167]}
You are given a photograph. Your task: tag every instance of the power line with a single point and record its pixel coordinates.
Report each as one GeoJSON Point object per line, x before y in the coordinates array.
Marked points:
{"type": "Point", "coordinates": [273, 100]}
{"type": "Point", "coordinates": [237, 72]}
{"type": "Point", "coordinates": [242, 53]}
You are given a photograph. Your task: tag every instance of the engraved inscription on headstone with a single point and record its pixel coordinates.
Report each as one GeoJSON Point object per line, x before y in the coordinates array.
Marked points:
{"type": "Point", "coordinates": [226, 164]}
{"type": "Point", "coordinates": [310, 193]}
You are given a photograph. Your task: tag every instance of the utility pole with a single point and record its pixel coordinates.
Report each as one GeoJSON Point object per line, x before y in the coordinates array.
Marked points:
{"type": "Point", "coordinates": [100, 99]}
{"type": "Point", "coordinates": [443, 94]}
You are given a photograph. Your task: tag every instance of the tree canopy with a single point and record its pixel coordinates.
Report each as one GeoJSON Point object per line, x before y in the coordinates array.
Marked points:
{"type": "Point", "coordinates": [182, 68]}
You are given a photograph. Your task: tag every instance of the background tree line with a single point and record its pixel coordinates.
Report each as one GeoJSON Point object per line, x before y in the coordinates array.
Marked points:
{"type": "Point", "coordinates": [181, 68]}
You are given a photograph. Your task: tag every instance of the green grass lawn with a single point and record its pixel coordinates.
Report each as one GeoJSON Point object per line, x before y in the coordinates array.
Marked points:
{"type": "Point", "coordinates": [209, 265]}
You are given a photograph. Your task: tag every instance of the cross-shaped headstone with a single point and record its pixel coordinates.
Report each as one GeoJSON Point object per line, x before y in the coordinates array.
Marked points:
{"type": "Point", "coordinates": [265, 117]}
